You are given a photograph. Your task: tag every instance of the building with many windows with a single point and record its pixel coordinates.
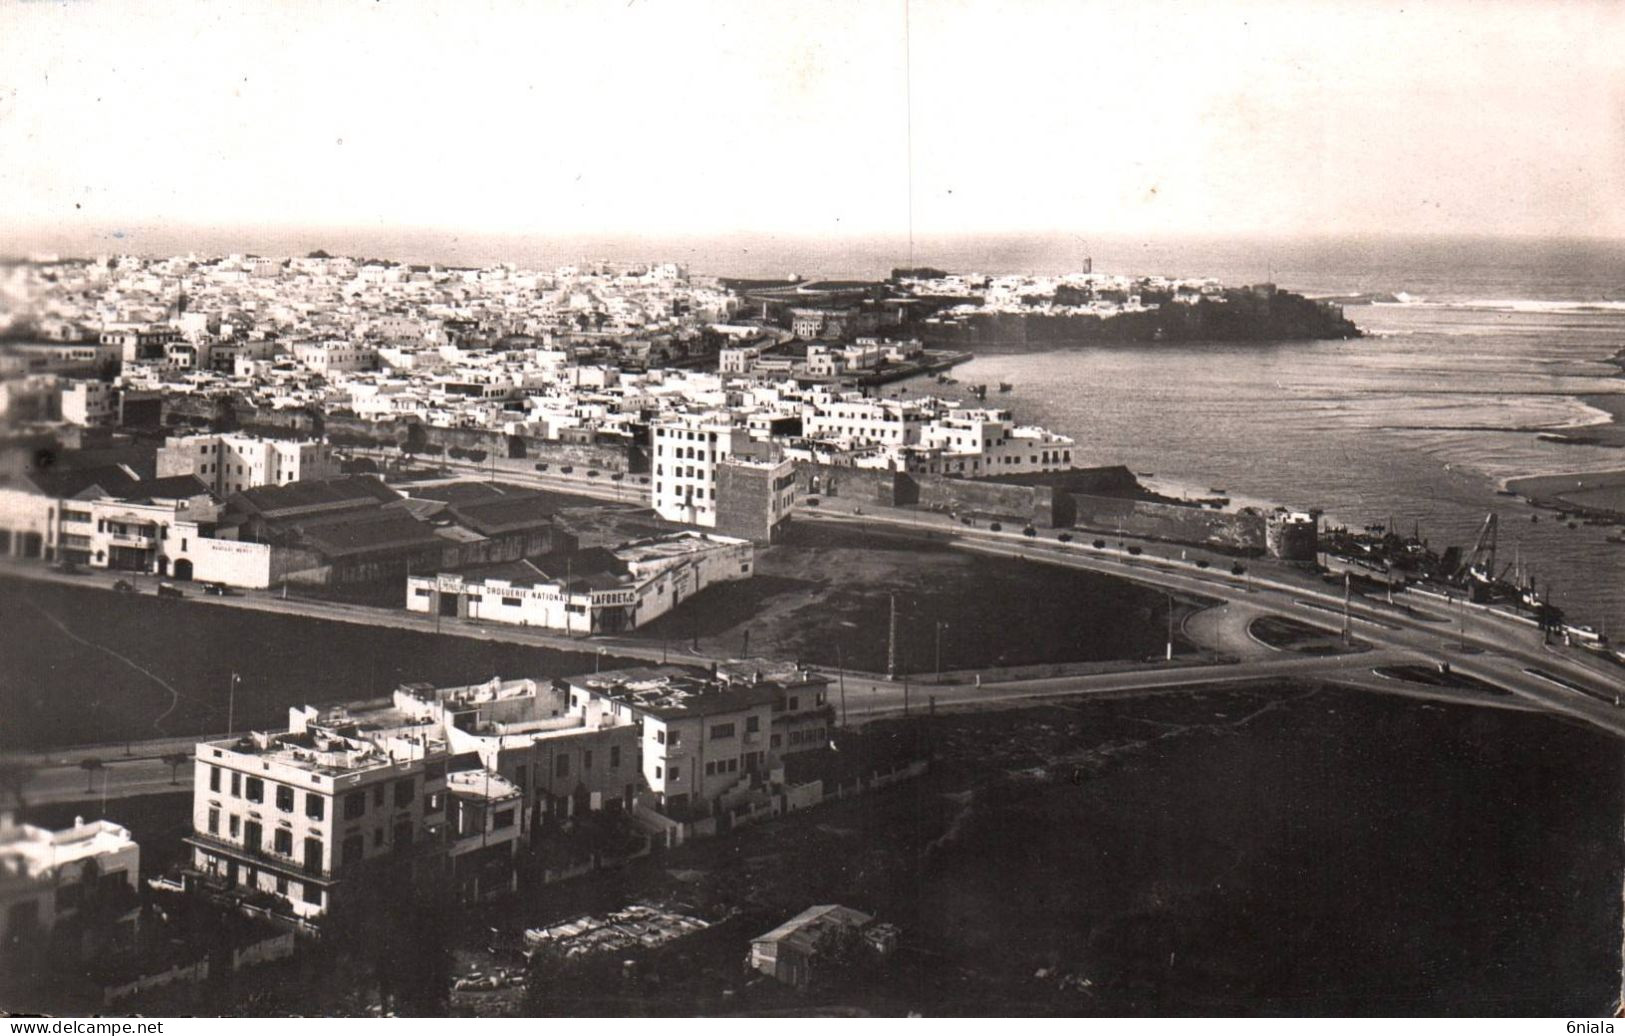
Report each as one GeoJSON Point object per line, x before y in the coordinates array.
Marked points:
{"type": "Point", "coordinates": [707, 740]}
{"type": "Point", "coordinates": [231, 463]}
{"type": "Point", "coordinates": [296, 815]}
{"type": "Point", "coordinates": [709, 471]}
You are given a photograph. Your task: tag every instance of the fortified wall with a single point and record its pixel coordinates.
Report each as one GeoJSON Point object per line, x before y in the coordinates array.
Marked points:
{"type": "Point", "coordinates": [1171, 522]}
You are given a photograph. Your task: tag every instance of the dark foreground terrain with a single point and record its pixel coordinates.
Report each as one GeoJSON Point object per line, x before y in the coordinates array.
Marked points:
{"type": "Point", "coordinates": [1276, 850]}
{"type": "Point", "coordinates": [823, 594]}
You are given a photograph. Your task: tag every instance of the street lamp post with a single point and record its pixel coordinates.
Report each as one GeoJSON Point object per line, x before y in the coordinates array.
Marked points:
{"type": "Point", "coordinates": [231, 704]}
{"type": "Point", "coordinates": [940, 627]}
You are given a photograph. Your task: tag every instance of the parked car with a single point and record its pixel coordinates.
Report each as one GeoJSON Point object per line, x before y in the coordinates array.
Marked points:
{"type": "Point", "coordinates": [124, 586]}
{"type": "Point", "coordinates": [169, 590]}
{"type": "Point", "coordinates": [217, 589]}
{"type": "Point", "coordinates": [69, 568]}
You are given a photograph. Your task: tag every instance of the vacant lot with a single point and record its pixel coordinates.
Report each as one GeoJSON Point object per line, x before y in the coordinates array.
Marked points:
{"type": "Point", "coordinates": [79, 664]}
{"type": "Point", "coordinates": [824, 595]}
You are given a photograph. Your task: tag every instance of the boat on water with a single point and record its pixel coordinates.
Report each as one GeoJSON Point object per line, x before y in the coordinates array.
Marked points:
{"type": "Point", "coordinates": [1146, 474]}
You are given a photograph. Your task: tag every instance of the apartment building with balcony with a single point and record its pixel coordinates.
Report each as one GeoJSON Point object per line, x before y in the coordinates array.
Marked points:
{"type": "Point", "coordinates": [133, 532]}
{"type": "Point", "coordinates": [299, 814]}
{"type": "Point", "coordinates": [709, 739]}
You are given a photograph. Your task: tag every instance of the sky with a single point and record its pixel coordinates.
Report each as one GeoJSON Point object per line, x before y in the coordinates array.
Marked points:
{"type": "Point", "coordinates": [817, 118]}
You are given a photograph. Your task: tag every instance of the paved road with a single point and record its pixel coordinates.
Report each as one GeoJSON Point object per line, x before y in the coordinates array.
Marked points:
{"type": "Point", "coordinates": [1491, 647]}
{"type": "Point", "coordinates": [1420, 630]}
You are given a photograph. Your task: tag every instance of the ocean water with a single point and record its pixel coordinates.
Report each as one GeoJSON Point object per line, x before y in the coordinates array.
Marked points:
{"type": "Point", "coordinates": [1419, 424]}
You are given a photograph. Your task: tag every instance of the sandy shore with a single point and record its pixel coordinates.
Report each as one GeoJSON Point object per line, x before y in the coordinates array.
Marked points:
{"type": "Point", "coordinates": [1593, 492]}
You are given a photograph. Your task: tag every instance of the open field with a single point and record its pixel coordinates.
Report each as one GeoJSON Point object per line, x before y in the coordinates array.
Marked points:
{"type": "Point", "coordinates": [823, 595]}
{"type": "Point", "coordinates": [85, 665]}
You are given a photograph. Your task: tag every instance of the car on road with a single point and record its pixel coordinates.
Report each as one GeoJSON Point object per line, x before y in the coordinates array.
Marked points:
{"type": "Point", "coordinates": [217, 589]}
{"type": "Point", "coordinates": [124, 586]}
{"type": "Point", "coordinates": [169, 590]}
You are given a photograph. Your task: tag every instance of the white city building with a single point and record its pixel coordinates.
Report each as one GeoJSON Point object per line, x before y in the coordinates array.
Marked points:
{"type": "Point", "coordinates": [231, 463]}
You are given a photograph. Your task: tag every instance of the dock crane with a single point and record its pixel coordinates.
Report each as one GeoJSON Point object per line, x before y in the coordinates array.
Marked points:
{"type": "Point", "coordinates": [1477, 571]}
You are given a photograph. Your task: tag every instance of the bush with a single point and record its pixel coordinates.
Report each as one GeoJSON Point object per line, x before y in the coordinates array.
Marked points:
{"type": "Point", "coordinates": [996, 527]}
{"type": "Point", "coordinates": [1238, 569]}
{"type": "Point", "coordinates": [1065, 537]}
{"type": "Point", "coordinates": [1201, 563]}
{"type": "Point", "coordinates": [617, 476]}
{"type": "Point", "coordinates": [475, 455]}
{"type": "Point", "coordinates": [812, 501]}
{"type": "Point", "coordinates": [1099, 544]}
{"type": "Point", "coordinates": [1135, 551]}
{"type": "Point", "coordinates": [1029, 531]}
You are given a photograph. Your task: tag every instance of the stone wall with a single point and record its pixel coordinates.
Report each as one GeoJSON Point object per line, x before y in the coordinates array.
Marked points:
{"type": "Point", "coordinates": [1239, 532]}
{"type": "Point", "coordinates": [594, 456]}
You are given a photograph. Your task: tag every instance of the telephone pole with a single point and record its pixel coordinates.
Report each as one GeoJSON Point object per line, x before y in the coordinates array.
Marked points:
{"type": "Point", "coordinates": [1348, 621]}
{"type": "Point", "coordinates": [891, 642]}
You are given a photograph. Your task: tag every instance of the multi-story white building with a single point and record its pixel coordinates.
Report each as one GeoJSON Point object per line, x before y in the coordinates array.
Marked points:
{"type": "Point", "coordinates": [709, 471]}
{"type": "Point", "coordinates": [333, 357]}
{"type": "Point", "coordinates": [687, 449]}
{"type": "Point", "coordinates": [89, 403]}
{"type": "Point", "coordinates": [48, 878]}
{"type": "Point", "coordinates": [298, 814]}
{"type": "Point", "coordinates": [885, 422]}
{"type": "Point", "coordinates": [137, 531]}
{"type": "Point", "coordinates": [564, 757]}
{"type": "Point", "coordinates": [705, 738]}
{"type": "Point", "coordinates": [231, 463]}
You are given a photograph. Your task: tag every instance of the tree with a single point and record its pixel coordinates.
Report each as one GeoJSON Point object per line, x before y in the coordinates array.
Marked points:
{"type": "Point", "coordinates": [90, 766]}
{"type": "Point", "coordinates": [176, 760]}
{"type": "Point", "coordinates": [14, 777]}
{"type": "Point", "coordinates": [476, 455]}
{"type": "Point", "coordinates": [417, 440]}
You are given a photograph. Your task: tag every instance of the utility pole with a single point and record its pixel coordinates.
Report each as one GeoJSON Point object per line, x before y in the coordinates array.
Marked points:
{"type": "Point", "coordinates": [891, 642]}
{"type": "Point", "coordinates": [231, 704]}
{"type": "Point", "coordinates": [1348, 620]}
{"type": "Point", "coordinates": [1170, 628]}
{"type": "Point", "coordinates": [840, 673]}
{"type": "Point", "coordinates": [940, 626]}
